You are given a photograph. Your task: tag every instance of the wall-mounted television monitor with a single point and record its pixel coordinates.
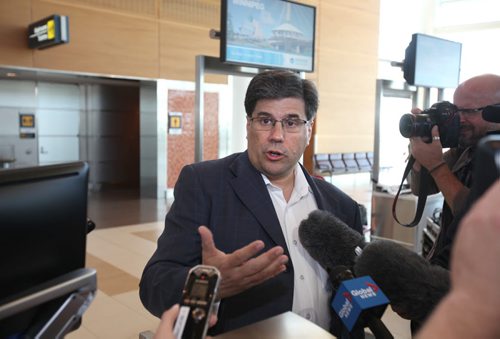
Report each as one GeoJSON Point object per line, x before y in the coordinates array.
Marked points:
{"type": "Point", "coordinates": [268, 34]}
{"type": "Point", "coordinates": [432, 62]}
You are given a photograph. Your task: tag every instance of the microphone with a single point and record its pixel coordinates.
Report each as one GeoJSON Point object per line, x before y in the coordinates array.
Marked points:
{"type": "Point", "coordinates": [335, 246]}
{"type": "Point", "coordinates": [491, 113]}
{"type": "Point", "coordinates": [329, 241]}
{"type": "Point", "coordinates": [411, 283]}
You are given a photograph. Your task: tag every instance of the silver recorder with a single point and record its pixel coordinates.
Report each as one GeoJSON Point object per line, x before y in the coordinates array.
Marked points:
{"type": "Point", "coordinates": [197, 302]}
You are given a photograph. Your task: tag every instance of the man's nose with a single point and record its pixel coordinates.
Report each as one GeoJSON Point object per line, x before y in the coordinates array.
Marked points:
{"type": "Point", "coordinates": [463, 117]}
{"type": "Point", "coordinates": [277, 132]}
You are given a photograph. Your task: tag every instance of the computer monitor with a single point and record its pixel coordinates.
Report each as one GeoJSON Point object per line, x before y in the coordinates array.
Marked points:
{"type": "Point", "coordinates": [43, 224]}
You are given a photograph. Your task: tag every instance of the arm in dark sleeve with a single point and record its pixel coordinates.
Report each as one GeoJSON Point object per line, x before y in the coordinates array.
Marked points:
{"type": "Point", "coordinates": [442, 252]}
{"type": "Point", "coordinates": [179, 246]}
{"type": "Point", "coordinates": [358, 225]}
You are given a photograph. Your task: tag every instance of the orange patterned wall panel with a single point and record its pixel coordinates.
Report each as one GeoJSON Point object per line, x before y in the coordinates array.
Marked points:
{"type": "Point", "coordinates": [180, 147]}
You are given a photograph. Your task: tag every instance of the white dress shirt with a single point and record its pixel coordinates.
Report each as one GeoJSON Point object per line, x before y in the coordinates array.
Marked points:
{"type": "Point", "coordinates": [311, 294]}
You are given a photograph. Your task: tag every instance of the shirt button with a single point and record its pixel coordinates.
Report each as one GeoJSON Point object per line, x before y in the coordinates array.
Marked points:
{"type": "Point", "coordinates": [295, 242]}
{"type": "Point", "coordinates": [301, 277]}
{"type": "Point", "coordinates": [308, 316]}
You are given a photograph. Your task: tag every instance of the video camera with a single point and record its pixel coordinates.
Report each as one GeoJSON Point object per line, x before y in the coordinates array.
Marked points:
{"type": "Point", "coordinates": [487, 165]}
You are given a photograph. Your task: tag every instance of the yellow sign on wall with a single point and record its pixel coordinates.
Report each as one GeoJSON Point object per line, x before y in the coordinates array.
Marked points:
{"type": "Point", "coordinates": [174, 122]}
{"type": "Point", "coordinates": [50, 31]}
{"type": "Point", "coordinates": [27, 126]}
{"type": "Point", "coordinates": [27, 120]}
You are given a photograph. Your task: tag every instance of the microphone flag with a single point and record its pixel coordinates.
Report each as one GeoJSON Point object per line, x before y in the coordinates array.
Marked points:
{"type": "Point", "coordinates": [355, 297]}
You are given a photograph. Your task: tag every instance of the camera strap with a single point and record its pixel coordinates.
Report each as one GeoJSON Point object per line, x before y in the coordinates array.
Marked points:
{"type": "Point", "coordinates": [422, 193]}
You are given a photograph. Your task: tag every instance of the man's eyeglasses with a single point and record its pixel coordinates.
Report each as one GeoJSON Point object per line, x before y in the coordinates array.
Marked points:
{"type": "Point", "coordinates": [290, 125]}
{"type": "Point", "coordinates": [470, 111]}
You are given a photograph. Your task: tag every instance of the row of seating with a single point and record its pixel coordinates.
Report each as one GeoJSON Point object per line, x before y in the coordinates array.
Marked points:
{"type": "Point", "coordinates": [339, 163]}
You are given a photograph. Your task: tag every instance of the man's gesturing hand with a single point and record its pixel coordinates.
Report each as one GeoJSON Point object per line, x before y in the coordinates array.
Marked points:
{"type": "Point", "coordinates": [240, 270]}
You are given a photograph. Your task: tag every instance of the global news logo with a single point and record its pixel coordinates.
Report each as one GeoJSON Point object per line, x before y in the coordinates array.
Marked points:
{"type": "Point", "coordinates": [364, 293]}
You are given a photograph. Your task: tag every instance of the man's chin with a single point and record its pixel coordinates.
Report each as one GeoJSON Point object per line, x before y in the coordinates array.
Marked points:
{"type": "Point", "coordinates": [467, 141]}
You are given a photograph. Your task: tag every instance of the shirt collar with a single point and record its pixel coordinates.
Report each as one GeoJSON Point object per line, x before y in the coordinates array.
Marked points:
{"type": "Point", "coordinates": [301, 186]}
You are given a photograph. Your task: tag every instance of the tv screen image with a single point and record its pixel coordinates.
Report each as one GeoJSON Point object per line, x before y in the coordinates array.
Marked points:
{"type": "Point", "coordinates": [268, 34]}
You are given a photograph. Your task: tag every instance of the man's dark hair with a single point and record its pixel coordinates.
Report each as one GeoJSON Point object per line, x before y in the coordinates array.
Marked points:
{"type": "Point", "coordinates": [280, 84]}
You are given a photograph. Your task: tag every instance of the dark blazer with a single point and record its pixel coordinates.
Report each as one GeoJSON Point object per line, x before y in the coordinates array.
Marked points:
{"type": "Point", "coordinates": [228, 196]}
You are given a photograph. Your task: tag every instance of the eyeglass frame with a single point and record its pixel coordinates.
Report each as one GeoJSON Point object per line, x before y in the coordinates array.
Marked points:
{"type": "Point", "coordinates": [282, 121]}
{"type": "Point", "coordinates": [469, 111]}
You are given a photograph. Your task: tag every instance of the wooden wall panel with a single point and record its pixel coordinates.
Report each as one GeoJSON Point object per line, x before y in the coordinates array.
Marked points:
{"type": "Point", "coordinates": [15, 16]}
{"type": "Point", "coordinates": [350, 121]}
{"type": "Point", "coordinates": [101, 42]}
{"type": "Point", "coordinates": [307, 159]}
{"type": "Point", "coordinates": [147, 8]}
{"type": "Point", "coordinates": [178, 51]}
{"type": "Point", "coordinates": [347, 70]}
{"type": "Point", "coordinates": [199, 13]}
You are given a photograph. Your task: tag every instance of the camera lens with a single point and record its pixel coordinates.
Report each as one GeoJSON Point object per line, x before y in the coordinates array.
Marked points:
{"type": "Point", "coordinates": [406, 125]}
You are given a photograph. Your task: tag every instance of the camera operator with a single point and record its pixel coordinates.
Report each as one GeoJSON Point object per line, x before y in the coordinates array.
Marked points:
{"type": "Point", "coordinates": [452, 171]}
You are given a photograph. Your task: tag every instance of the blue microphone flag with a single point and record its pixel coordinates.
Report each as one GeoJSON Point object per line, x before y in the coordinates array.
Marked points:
{"type": "Point", "coordinates": [354, 296]}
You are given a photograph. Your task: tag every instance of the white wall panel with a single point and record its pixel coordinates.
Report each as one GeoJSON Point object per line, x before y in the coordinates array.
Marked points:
{"type": "Point", "coordinates": [57, 149]}
{"type": "Point", "coordinates": [17, 93]}
{"type": "Point", "coordinates": [61, 96]}
{"type": "Point", "coordinates": [58, 122]}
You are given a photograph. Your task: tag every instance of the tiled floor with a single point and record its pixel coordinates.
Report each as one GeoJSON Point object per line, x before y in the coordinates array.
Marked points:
{"type": "Point", "coordinates": [125, 238]}
{"type": "Point", "coordinates": [111, 208]}
{"type": "Point", "coordinates": [119, 255]}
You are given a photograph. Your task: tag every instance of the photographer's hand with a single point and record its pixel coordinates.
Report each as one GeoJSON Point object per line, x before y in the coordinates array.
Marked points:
{"type": "Point", "coordinates": [430, 155]}
{"type": "Point", "coordinates": [166, 328]}
{"type": "Point", "coordinates": [416, 110]}
{"type": "Point", "coordinates": [416, 164]}
{"type": "Point", "coordinates": [426, 154]}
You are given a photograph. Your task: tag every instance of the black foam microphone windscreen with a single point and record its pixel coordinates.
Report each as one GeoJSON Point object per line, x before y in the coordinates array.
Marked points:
{"type": "Point", "coordinates": [412, 284]}
{"type": "Point", "coordinates": [328, 240]}
{"type": "Point", "coordinates": [491, 113]}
